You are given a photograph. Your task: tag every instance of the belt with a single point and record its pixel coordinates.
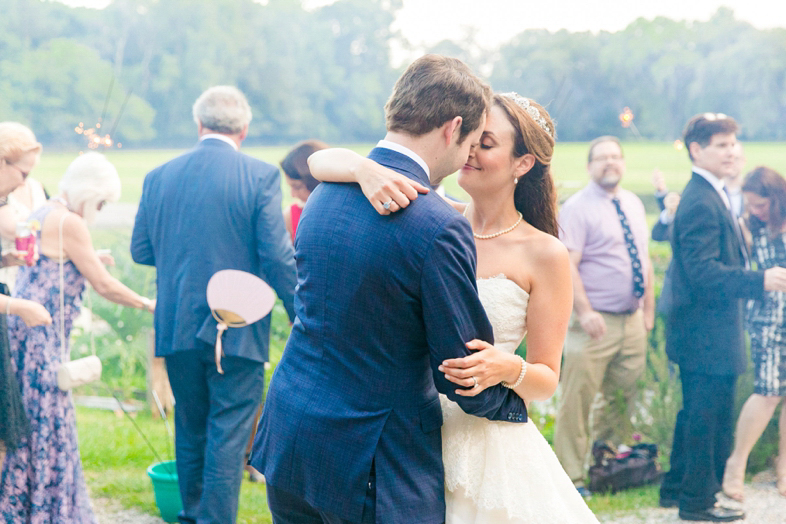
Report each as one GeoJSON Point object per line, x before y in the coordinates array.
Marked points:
{"type": "Point", "coordinates": [619, 313]}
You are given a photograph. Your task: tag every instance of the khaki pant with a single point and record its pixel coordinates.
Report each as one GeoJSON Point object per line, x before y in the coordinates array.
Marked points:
{"type": "Point", "coordinates": [610, 366]}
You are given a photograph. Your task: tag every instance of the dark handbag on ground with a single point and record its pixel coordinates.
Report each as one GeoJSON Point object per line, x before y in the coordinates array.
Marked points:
{"type": "Point", "coordinates": [614, 471]}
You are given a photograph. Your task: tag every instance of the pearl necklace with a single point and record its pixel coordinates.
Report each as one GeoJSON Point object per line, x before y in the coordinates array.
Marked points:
{"type": "Point", "coordinates": [498, 233]}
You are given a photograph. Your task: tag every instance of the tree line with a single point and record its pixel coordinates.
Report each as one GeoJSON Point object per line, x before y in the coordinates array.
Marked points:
{"type": "Point", "coordinates": [138, 65]}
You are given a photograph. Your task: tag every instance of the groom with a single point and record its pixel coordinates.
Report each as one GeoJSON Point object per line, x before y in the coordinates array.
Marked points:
{"type": "Point", "coordinates": [351, 428]}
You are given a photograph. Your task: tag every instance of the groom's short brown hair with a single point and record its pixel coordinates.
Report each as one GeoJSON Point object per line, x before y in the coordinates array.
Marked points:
{"type": "Point", "coordinates": [433, 90]}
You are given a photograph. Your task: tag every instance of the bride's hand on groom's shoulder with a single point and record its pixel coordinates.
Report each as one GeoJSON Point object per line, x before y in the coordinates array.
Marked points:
{"type": "Point", "coordinates": [387, 190]}
{"type": "Point", "coordinates": [484, 368]}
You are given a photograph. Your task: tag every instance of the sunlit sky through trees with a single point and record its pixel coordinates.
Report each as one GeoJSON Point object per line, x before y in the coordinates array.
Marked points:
{"type": "Point", "coordinates": [492, 22]}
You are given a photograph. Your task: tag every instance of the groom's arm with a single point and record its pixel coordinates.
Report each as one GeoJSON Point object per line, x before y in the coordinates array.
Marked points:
{"type": "Point", "coordinates": [453, 316]}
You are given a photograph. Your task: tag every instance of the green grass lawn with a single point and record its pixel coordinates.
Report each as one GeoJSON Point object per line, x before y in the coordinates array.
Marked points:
{"type": "Point", "coordinates": [568, 167]}
{"type": "Point", "coordinates": [115, 459]}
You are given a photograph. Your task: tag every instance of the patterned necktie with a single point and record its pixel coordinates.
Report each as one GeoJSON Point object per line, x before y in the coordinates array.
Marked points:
{"type": "Point", "coordinates": [630, 243]}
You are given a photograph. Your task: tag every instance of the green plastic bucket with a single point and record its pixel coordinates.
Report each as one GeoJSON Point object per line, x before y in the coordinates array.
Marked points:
{"type": "Point", "coordinates": [166, 490]}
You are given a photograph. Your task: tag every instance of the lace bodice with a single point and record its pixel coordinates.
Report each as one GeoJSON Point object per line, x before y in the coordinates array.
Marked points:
{"type": "Point", "coordinates": [497, 472]}
{"type": "Point", "coordinates": [506, 306]}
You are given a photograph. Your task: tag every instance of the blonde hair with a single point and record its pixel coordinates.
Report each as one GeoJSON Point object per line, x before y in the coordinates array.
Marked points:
{"type": "Point", "coordinates": [223, 109]}
{"type": "Point", "coordinates": [16, 140]}
{"type": "Point", "coordinates": [89, 180]}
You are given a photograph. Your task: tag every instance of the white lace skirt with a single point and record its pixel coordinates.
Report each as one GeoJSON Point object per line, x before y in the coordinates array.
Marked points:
{"type": "Point", "coordinates": [500, 472]}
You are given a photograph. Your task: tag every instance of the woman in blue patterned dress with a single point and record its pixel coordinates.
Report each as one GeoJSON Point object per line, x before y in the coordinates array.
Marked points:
{"type": "Point", "coordinates": [42, 480]}
{"type": "Point", "coordinates": [19, 151]}
{"type": "Point", "coordinates": [765, 193]}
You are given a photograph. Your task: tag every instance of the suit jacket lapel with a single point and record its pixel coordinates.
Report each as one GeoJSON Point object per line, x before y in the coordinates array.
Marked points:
{"type": "Point", "coordinates": [399, 162]}
{"type": "Point", "coordinates": [727, 213]}
{"type": "Point", "coordinates": [703, 182]}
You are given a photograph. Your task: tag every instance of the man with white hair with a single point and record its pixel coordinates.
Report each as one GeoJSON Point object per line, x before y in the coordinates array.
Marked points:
{"type": "Point", "coordinates": [210, 209]}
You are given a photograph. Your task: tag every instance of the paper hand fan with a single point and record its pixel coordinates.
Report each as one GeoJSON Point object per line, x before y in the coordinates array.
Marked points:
{"type": "Point", "coordinates": [236, 299]}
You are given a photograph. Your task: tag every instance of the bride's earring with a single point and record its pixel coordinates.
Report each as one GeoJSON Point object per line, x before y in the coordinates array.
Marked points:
{"type": "Point", "coordinates": [516, 180]}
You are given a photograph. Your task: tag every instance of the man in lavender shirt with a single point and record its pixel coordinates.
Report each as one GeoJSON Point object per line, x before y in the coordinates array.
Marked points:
{"type": "Point", "coordinates": [605, 230]}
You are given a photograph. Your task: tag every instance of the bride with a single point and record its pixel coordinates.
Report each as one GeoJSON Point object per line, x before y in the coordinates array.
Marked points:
{"type": "Point", "coordinates": [496, 472]}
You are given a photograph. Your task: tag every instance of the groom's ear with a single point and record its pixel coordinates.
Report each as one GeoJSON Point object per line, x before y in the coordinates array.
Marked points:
{"type": "Point", "coordinates": [452, 130]}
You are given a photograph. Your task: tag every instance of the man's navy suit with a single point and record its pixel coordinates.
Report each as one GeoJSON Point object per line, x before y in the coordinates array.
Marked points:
{"type": "Point", "coordinates": [352, 420]}
{"type": "Point", "coordinates": [210, 209]}
{"type": "Point", "coordinates": [705, 337]}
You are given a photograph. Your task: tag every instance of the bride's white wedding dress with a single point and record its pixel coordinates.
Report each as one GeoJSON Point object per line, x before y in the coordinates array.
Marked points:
{"type": "Point", "coordinates": [500, 472]}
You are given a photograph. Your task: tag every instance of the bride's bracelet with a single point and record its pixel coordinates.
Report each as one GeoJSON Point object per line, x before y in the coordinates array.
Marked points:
{"type": "Point", "coordinates": [521, 375]}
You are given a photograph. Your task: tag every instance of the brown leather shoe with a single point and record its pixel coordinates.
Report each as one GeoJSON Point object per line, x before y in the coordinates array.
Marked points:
{"type": "Point", "coordinates": [713, 514]}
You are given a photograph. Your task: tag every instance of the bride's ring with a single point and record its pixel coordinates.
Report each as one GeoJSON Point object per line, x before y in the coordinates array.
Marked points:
{"type": "Point", "coordinates": [475, 384]}
{"type": "Point", "coordinates": [386, 205]}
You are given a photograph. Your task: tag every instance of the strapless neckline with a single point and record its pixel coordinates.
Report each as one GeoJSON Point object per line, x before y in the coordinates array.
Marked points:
{"type": "Point", "coordinates": [504, 278]}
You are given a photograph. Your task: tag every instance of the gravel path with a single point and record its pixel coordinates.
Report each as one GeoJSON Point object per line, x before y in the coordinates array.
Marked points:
{"type": "Point", "coordinates": [763, 505]}
{"type": "Point", "coordinates": [117, 215]}
{"type": "Point", "coordinates": [108, 511]}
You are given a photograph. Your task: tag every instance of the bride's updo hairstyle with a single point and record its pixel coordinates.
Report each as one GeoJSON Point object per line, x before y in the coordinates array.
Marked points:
{"type": "Point", "coordinates": [535, 196]}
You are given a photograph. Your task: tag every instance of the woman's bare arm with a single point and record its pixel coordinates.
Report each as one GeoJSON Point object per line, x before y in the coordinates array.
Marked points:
{"type": "Point", "coordinates": [380, 184]}
{"type": "Point", "coordinates": [78, 247]}
{"type": "Point", "coordinates": [548, 316]}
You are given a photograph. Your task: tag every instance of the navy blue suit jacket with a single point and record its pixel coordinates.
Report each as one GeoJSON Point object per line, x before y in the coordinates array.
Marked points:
{"type": "Point", "coordinates": [707, 279]}
{"type": "Point", "coordinates": [210, 209]}
{"type": "Point", "coordinates": [381, 302]}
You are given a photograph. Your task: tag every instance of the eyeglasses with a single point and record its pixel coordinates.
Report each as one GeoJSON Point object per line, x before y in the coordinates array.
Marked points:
{"type": "Point", "coordinates": [23, 173]}
{"type": "Point", "coordinates": [607, 158]}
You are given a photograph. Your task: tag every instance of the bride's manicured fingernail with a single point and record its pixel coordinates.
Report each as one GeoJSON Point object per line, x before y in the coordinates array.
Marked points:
{"type": "Point", "coordinates": [441, 368]}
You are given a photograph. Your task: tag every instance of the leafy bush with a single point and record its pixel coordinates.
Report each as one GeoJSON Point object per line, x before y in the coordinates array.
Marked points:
{"type": "Point", "coordinates": [118, 334]}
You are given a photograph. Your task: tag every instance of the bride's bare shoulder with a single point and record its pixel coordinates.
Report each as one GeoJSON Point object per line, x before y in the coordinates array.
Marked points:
{"type": "Point", "coordinates": [544, 249]}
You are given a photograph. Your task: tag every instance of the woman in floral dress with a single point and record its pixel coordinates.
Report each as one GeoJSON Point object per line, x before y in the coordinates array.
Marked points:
{"type": "Point", "coordinates": [42, 480]}
{"type": "Point", "coordinates": [19, 152]}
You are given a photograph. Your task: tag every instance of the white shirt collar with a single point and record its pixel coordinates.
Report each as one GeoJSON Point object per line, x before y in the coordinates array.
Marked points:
{"type": "Point", "coordinates": [715, 182]}
{"type": "Point", "coordinates": [398, 148]}
{"type": "Point", "coordinates": [221, 137]}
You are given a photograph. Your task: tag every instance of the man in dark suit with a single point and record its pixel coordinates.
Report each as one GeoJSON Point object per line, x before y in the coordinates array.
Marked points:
{"type": "Point", "coordinates": [351, 428]}
{"type": "Point", "coordinates": [667, 205]}
{"type": "Point", "coordinates": [210, 209]}
{"type": "Point", "coordinates": [704, 327]}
